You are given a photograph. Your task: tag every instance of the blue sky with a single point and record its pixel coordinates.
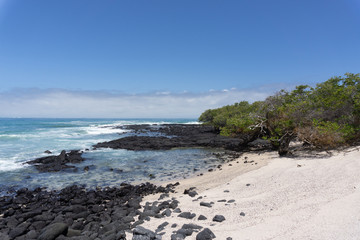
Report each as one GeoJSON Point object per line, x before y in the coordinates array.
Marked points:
{"type": "Point", "coordinates": [188, 49]}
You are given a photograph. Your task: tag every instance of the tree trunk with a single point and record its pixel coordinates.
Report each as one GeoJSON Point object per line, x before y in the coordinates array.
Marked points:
{"type": "Point", "coordinates": [284, 145]}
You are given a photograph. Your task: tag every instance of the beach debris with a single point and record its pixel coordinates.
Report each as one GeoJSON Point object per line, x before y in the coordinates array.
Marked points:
{"type": "Point", "coordinates": [219, 218]}
{"type": "Point", "coordinates": [205, 234]}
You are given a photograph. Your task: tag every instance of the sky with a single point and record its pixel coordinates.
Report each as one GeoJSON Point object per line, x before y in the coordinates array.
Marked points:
{"type": "Point", "coordinates": [161, 58]}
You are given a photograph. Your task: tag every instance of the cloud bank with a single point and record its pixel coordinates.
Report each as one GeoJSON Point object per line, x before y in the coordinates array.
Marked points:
{"type": "Point", "coordinates": [60, 103]}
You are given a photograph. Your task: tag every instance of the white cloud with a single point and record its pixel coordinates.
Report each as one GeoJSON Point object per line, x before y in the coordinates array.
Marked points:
{"type": "Point", "coordinates": [102, 104]}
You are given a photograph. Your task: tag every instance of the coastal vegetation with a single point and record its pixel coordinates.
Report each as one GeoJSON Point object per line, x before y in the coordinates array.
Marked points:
{"type": "Point", "coordinates": [325, 116]}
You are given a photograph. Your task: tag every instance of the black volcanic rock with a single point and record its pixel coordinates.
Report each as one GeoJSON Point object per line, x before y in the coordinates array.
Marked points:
{"type": "Point", "coordinates": [205, 234]}
{"type": "Point", "coordinates": [57, 163]}
{"type": "Point", "coordinates": [187, 215]}
{"type": "Point", "coordinates": [77, 212]}
{"type": "Point", "coordinates": [219, 218]}
{"type": "Point", "coordinates": [175, 136]}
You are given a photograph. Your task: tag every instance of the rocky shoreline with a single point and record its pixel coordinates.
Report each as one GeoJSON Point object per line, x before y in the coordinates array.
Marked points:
{"type": "Point", "coordinates": [77, 213]}
{"type": "Point", "coordinates": [57, 163]}
{"type": "Point", "coordinates": [110, 213]}
{"type": "Point", "coordinates": [175, 136]}
{"type": "Point", "coordinates": [168, 136]}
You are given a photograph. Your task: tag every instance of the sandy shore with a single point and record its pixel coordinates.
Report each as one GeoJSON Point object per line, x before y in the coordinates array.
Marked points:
{"type": "Point", "coordinates": [283, 198]}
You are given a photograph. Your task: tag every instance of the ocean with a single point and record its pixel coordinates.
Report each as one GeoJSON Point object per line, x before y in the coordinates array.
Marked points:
{"type": "Point", "coordinates": [24, 139]}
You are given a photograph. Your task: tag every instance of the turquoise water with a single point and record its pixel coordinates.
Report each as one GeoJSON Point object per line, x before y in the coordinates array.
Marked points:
{"type": "Point", "coordinates": [22, 140]}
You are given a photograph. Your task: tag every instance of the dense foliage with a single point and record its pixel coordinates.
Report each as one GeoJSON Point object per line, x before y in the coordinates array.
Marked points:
{"type": "Point", "coordinates": [325, 116]}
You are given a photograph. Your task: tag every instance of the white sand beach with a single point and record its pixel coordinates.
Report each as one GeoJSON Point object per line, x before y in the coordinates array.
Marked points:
{"type": "Point", "coordinates": [314, 198]}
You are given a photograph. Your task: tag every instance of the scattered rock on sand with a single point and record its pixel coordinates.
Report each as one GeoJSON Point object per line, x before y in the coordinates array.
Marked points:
{"type": "Point", "coordinates": [219, 218]}
{"type": "Point", "coordinates": [161, 226]}
{"type": "Point", "coordinates": [185, 231]}
{"type": "Point", "coordinates": [190, 192]}
{"type": "Point", "coordinates": [202, 217]}
{"type": "Point", "coordinates": [167, 213]}
{"type": "Point", "coordinates": [187, 215]}
{"type": "Point", "coordinates": [177, 236]}
{"type": "Point", "coordinates": [141, 233]}
{"type": "Point", "coordinates": [177, 210]}
{"type": "Point", "coordinates": [205, 204]}
{"type": "Point", "coordinates": [191, 226]}
{"type": "Point", "coordinates": [205, 234]}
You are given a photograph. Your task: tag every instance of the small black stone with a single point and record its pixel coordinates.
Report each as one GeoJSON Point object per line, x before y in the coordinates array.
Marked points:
{"type": "Point", "coordinates": [205, 204]}
{"type": "Point", "coordinates": [202, 217]}
{"type": "Point", "coordinates": [205, 234]}
{"type": "Point", "coordinates": [187, 215]}
{"type": "Point", "coordinates": [219, 218]}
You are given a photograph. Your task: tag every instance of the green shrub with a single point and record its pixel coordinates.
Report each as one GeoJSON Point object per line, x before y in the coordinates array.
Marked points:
{"type": "Point", "coordinates": [325, 116]}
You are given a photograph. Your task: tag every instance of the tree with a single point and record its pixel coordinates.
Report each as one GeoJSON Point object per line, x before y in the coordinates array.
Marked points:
{"type": "Point", "coordinates": [325, 116]}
